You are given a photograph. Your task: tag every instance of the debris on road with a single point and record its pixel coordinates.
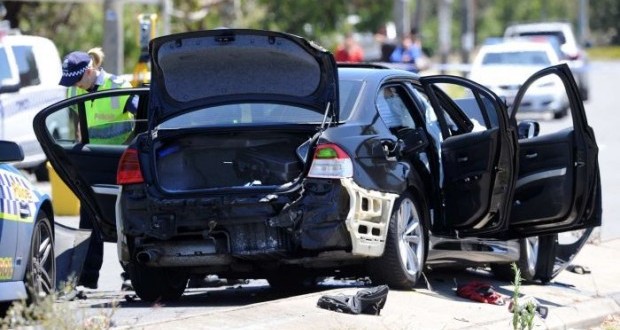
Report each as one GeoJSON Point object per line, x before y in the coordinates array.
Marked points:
{"type": "Point", "coordinates": [366, 301]}
{"type": "Point", "coordinates": [481, 292]}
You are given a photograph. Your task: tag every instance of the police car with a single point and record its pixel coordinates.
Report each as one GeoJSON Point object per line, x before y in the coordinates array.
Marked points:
{"type": "Point", "coordinates": [31, 70]}
{"type": "Point", "coordinates": [27, 254]}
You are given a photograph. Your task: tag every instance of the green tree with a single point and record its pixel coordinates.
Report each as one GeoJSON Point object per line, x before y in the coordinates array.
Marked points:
{"type": "Point", "coordinates": [604, 22]}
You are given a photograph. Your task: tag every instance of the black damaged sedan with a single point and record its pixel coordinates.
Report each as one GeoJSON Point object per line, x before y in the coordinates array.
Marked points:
{"type": "Point", "coordinates": [255, 156]}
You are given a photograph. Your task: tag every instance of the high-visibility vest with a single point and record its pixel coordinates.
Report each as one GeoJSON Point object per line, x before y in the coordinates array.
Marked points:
{"type": "Point", "coordinates": [106, 118]}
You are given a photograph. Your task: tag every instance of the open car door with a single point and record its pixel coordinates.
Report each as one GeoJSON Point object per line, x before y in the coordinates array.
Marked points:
{"type": "Point", "coordinates": [478, 165]}
{"type": "Point", "coordinates": [89, 169]}
{"type": "Point", "coordinates": [558, 187]}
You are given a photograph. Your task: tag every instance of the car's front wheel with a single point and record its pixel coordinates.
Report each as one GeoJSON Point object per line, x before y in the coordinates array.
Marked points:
{"type": "Point", "coordinates": [533, 252]}
{"type": "Point", "coordinates": [41, 270]}
{"type": "Point", "coordinates": [544, 257]}
{"type": "Point", "coordinates": [157, 284]}
{"type": "Point", "coordinates": [402, 262]}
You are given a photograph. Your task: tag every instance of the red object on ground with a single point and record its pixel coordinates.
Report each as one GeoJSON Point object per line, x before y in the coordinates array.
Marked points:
{"type": "Point", "coordinates": [481, 292]}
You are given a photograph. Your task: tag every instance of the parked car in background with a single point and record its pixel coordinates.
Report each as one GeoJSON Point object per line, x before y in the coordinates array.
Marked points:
{"type": "Point", "coordinates": [255, 156]}
{"type": "Point", "coordinates": [573, 53]}
{"type": "Point", "coordinates": [505, 66]}
{"type": "Point", "coordinates": [27, 259]}
{"type": "Point", "coordinates": [32, 65]}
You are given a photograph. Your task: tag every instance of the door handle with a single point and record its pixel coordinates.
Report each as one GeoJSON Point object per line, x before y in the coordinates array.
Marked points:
{"type": "Point", "coordinates": [463, 159]}
{"type": "Point", "coordinates": [532, 155]}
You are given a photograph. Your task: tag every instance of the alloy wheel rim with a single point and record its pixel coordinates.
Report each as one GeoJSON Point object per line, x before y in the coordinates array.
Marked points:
{"type": "Point", "coordinates": [531, 250]}
{"type": "Point", "coordinates": [43, 269]}
{"type": "Point", "coordinates": [410, 238]}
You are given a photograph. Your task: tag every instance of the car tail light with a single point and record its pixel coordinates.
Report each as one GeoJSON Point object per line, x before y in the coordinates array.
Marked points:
{"type": "Point", "coordinates": [129, 168]}
{"type": "Point", "coordinates": [330, 161]}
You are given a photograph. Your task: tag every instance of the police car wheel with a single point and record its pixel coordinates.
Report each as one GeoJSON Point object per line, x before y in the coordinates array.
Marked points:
{"type": "Point", "coordinates": [41, 270]}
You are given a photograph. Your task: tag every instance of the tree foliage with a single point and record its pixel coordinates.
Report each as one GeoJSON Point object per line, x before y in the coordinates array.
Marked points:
{"type": "Point", "coordinates": [604, 20]}
{"type": "Point", "coordinates": [79, 25]}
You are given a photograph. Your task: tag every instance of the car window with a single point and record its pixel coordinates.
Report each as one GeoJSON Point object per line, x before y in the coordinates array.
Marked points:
{"type": "Point", "coordinates": [263, 113]}
{"type": "Point", "coordinates": [556, 34]}
{"type": "Point", "coordinates": [5, 69]}
{"type": "Point", "coordinates": [349, 93]}
{"type": "Point", "coordinates": [390, 103]}
{"type": "Point", "coordinates": [516, 58]}
{"type": "Point", "coordinates": [65, 125]}
{"type": "Point", "coordinates": [243, 113]}
{"type": "Point", "coordinates": [476, 107]}
{"type": "Point", "coordinates": [430, 117]}
{"type": "Point", "coordinates": [27, 66]}
{"type": "Point", "coordinates": [546, 101]}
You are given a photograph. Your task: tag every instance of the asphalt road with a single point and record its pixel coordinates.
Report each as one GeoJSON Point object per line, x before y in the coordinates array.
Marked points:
{"type": "Point", "coordinates": [109, 300]}
{"type": "Point", "coordinates": [604, 116]}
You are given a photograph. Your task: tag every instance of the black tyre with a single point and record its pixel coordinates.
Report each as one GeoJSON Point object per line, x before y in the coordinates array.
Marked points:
{"type": "Point", "coordinates": [533, 252]}
{"type": "Point", "coordinates": [41, 270]}
{"type": "Point", "coordinates": [402, 262]}
{"type": "Point", "coordinates": [544, 257]}
{"type": "Point", "coordinates": [157, 284]}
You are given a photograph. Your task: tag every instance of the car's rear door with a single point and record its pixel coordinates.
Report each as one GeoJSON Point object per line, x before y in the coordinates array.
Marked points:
{"type": "Point", "coordinates": [88, 169]}
{"type": "Point", "coordinates": [558, 186]}
{"type": "Point", "coordinates": [478, 148]}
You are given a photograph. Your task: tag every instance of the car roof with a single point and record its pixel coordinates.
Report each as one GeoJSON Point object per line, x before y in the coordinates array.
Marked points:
{"type": "Point", "coordinates": [516, 45]}
{"type": "Point", "coordinates": [371, 72]}
{"type": "Point", "coordinates": [540, 26]}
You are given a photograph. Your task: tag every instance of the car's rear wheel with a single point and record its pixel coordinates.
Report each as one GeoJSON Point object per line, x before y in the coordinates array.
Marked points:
{"type": "Point", "coordinates": [402, 262]}
{"type": "Point", "coordinates": [41, 271]}
{"type": "Point", "coordinates": [157, 284]}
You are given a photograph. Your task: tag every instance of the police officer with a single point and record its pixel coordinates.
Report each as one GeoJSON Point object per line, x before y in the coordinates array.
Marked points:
{"type": "Point", "coordinates": [109, 121]}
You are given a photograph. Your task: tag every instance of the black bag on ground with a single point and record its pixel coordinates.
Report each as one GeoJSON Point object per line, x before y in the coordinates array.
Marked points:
{"type": "Point", "coordinates": [366, 301]}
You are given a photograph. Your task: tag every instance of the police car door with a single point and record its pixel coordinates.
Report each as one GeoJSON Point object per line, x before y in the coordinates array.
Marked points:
{"type": "Point", "coordinates": [89, 169]}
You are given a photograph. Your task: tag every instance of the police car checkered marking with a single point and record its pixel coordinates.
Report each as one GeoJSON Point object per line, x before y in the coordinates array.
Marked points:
{"type": "Point", "coordinates": [16, 190]}
{"type": "Point", "coordinates": [6, 268]}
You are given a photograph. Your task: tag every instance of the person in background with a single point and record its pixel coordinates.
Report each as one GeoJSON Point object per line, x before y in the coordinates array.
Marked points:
{"type": "Point", "coordinates": [109, 121]}
{"type": "Point", "coordinates": [349, 51]}
{"type": "Point", "coordinates": [408, 52]}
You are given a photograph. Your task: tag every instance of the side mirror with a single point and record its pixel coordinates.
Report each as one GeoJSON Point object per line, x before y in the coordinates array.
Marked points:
{"type": "Point", "coordinates": [10, 152]}
{"type": "Point", "coordinates": [528, 129]}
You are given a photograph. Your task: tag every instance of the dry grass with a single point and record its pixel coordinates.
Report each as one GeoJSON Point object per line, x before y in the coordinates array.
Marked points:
{"type": "Point", "coordinates": [52, 313]}
{"type": "Point", "coordinates": [612, 322]}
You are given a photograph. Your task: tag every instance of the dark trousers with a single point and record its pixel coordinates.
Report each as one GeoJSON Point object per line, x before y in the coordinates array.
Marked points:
{"type": "Point", "coordinates": [94, 256]}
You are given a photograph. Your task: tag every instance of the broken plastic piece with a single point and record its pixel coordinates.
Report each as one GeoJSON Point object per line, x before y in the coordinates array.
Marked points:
{"type": "Point", "coordinates": [578, 269]}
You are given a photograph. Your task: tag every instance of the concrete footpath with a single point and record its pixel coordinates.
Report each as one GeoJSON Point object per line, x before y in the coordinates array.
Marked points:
{"type": "Point", "coordinates": [574, 301]}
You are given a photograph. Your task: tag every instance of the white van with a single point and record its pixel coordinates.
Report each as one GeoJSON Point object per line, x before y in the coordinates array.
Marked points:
{"type": "Point", "coordinates": [31, 69]}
